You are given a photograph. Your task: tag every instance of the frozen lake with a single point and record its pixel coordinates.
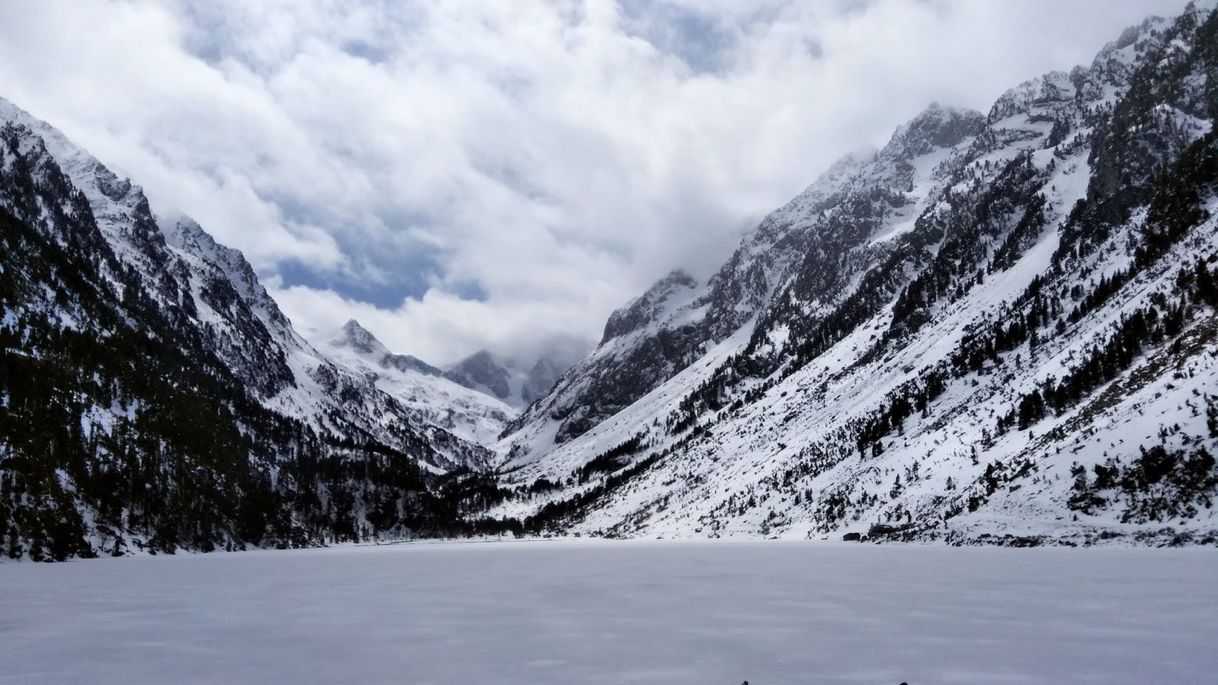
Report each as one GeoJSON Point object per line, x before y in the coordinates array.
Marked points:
{"type": "Point", "coordinates": [631, 612]}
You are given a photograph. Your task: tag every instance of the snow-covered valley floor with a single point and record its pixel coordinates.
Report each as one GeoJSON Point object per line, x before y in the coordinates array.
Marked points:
{"type": "Point", "coordinates": [629, 612]}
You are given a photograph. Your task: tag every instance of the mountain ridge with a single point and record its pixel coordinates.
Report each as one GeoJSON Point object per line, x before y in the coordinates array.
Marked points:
{"type": "Point", "coordinates": [155, 397]}
{"type": "Point", "coordinates": [473, 416]}
{"type": "Point", "coordinates": [971, 304]}
{"type": "Point", "coordinates": [507, 379]}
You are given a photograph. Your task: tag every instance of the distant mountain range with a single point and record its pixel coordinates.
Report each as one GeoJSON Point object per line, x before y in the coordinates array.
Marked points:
{"type": "Point", "coordinates": [472, 415]}
{"type": "Point", "coordinates": [507, 379]}
{"type": "Point", "coordinates": [999, 328]}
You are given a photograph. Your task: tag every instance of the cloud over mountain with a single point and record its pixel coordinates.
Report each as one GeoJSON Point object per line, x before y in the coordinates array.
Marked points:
{"type": "Point", "coordinates": [461, 176]}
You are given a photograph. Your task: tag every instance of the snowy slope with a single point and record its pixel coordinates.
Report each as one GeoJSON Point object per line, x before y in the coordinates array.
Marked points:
{"type": "Point", "coordinates": [471, 415]}
{"type": "Point", "coordinates": [651, 339]}
{"type": "Point", "coordinates": [996, 328]}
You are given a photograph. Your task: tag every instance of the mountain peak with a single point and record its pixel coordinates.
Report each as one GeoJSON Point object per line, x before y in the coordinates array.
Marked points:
{"type": "Point", "coordinates": [512, 380]}
{"type": "Point", "coordinates": [354, 336]}
{"type": "Point", "coordinates": [665, 294]}
{"type": "Point", "coordinates": [360, 339]}
{"type": "Point", "coordinates": [482, 371]}
{"type": "Point", "coordinates": [937, 126]}
{"type": "Point", "coordinates": [482, 356]}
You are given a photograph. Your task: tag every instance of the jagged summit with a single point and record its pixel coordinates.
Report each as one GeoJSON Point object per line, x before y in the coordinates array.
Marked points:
{"type": "Point", "coordinates": [473, 416]}
{"type": "Point", "coordinates": [508, 379]}
{"type": "Point", "coordinates": [188, 237]}
{"type": "Point", "coordinates": [360, 339]}
{"type": "Point", "coordinates": [502, 382]}
{"type": "Point", "coordinates": [934, 128]}
{"type": "Point", "coordinates": [670, 292]}
{"type": "Point", "coordinates": [353, 336]}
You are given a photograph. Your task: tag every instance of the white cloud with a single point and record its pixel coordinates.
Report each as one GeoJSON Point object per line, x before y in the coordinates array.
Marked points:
{"type": "Point", "coordinates": [553, 157]}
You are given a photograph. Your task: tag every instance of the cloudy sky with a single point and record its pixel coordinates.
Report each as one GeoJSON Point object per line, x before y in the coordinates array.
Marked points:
{"type": "Point", "coordinates": [459, 175]}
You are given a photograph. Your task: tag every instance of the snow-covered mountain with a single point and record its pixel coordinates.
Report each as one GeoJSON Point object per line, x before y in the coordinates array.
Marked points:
{"type": "Point", "coordinates": [469, 414]}
{"type": "Point", "coordinates": [507, 379]}
{"type": "Point", "coordinates": [999, 327]}
{"type": "Point", "coordinates": [820, 239]}
{"type": "Point", "coordinates": [154, 395]}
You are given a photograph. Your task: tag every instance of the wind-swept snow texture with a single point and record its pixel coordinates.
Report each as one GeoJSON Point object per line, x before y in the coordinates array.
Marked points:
{"type": "Point", "coordinates": [628, 612]}
{"type": "Point", "coordinates": [1000, 327]}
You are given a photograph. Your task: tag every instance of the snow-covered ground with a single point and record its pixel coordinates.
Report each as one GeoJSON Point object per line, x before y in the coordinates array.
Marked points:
{"type": "Point", "coordinates": [618, 612]}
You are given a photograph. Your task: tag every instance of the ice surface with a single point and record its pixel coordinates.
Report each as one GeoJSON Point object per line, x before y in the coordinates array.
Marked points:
{"type": "Point", "coordinates": [626, 612]}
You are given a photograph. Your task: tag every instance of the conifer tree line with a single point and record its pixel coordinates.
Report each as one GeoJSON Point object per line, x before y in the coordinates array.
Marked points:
{"type": "Point", "coordinates": [121, 428]}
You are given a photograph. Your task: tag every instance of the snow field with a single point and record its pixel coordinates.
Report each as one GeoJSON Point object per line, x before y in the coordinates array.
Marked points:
{"type": "Point", "coordinates": [618, 612]}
